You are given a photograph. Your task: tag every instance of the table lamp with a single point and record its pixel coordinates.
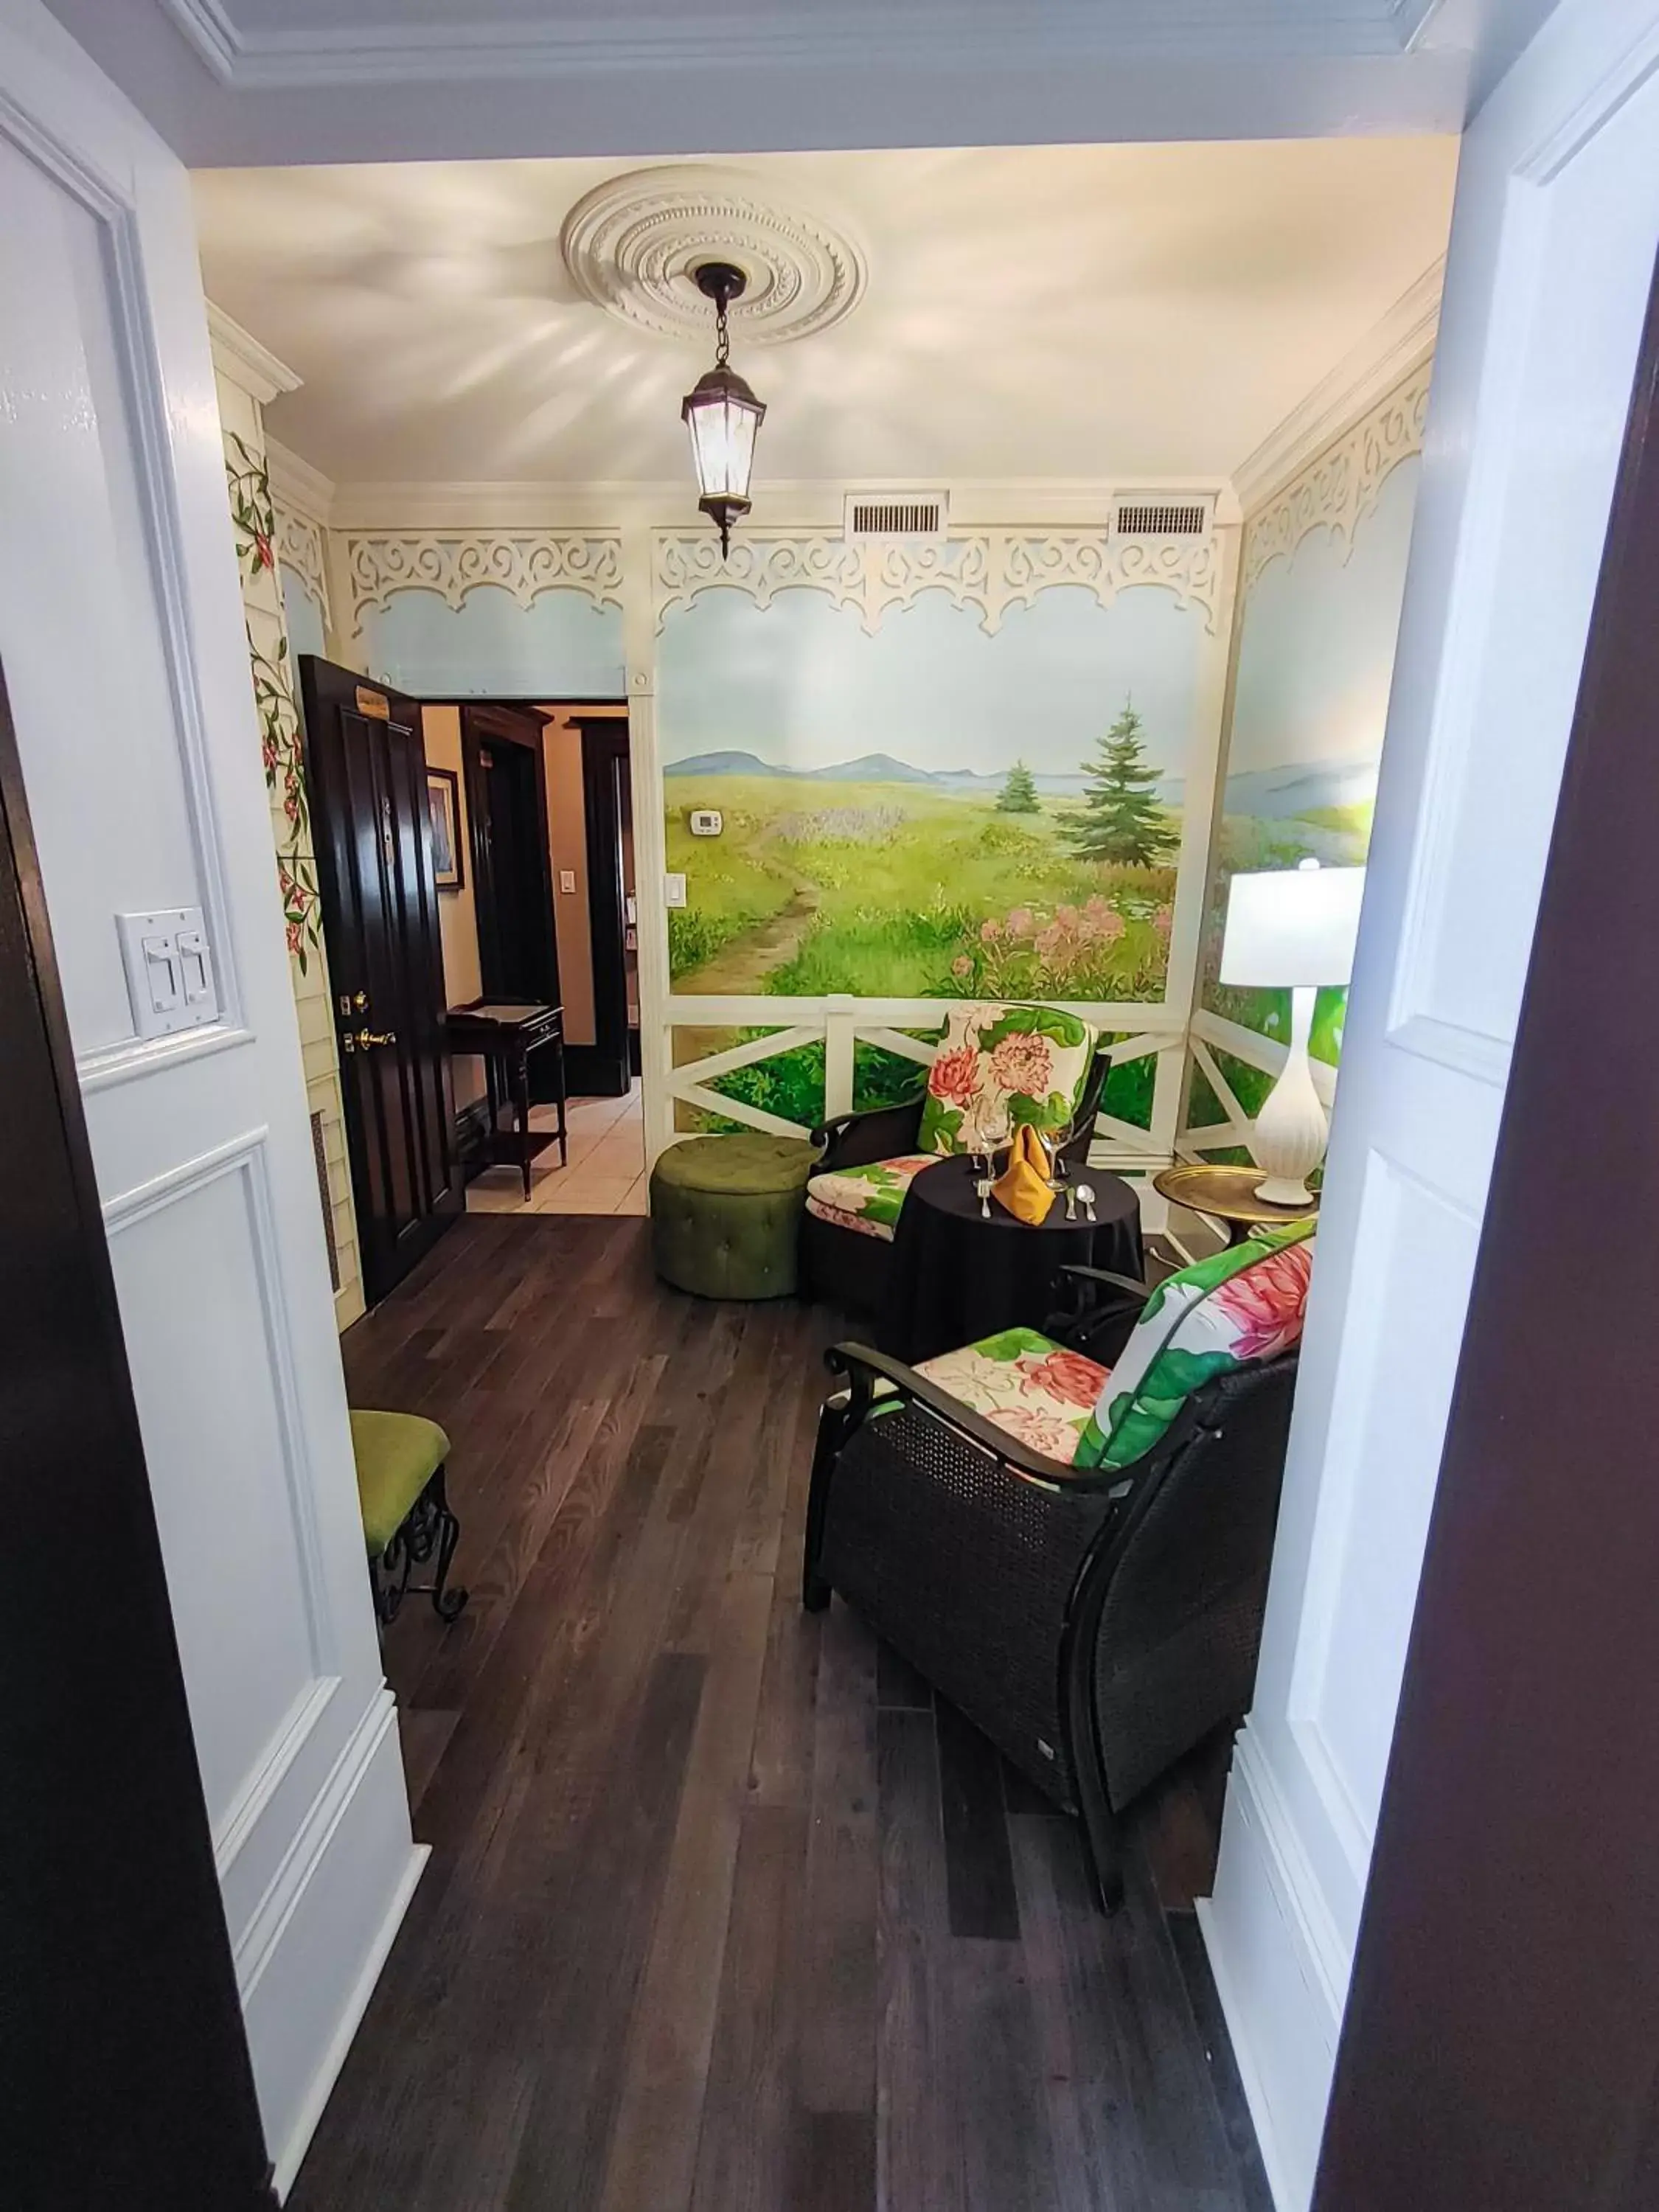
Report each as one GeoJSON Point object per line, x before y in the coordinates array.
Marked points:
{"type": "Point", "coordinates": [1291, 928]}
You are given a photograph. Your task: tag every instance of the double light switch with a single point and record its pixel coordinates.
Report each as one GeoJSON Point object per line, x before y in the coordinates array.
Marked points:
{"type": "Point", "coordinates": [169, 968]}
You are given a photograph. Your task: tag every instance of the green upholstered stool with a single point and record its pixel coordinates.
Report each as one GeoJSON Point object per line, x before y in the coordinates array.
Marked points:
{"type": "Point", "coordinates": [726, 1214]}
{"type": "Point", "coordinates": [406, 1516]}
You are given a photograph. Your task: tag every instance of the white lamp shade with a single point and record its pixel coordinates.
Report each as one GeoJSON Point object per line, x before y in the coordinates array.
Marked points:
{"type": "Point", "coordinates": [1291, 927]}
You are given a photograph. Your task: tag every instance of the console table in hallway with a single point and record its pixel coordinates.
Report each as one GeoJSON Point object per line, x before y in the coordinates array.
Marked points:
{"type": "Point", "coordinates": [503, 1033]}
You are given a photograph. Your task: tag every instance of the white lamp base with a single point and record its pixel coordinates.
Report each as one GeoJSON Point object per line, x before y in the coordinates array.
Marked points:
{"type": "Point", "coordinates": [1289, 1138]}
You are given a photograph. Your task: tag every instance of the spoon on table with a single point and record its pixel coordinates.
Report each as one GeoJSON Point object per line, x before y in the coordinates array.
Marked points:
{"type": "Point", "coordinates": [984, 1187]}
{"type": "Point", "coordinates": [1086, 1192]}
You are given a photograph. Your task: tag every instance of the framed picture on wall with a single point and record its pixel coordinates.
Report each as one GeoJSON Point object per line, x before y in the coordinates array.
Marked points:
{"type": "Point", "coordinates": [443, 799]}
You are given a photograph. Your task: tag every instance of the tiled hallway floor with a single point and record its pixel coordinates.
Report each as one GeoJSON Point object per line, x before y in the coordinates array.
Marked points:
{"type": "Point", "coordinates": [606, 1174]}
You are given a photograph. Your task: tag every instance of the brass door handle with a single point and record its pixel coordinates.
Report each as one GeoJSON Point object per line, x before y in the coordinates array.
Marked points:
{"type": "Point", "coordinates": [366, 1037]}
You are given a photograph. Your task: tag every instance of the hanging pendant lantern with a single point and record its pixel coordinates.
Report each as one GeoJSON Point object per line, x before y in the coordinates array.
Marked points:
{"type": "Point", "coordinates": [721, 413]}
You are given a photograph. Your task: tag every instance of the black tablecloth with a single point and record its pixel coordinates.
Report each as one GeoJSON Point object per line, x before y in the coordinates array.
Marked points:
{"type": "Point", "coordinates": [956, 1278]}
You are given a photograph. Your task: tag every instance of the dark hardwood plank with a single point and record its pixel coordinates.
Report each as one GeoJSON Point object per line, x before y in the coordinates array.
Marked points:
{"type": "Point", "coordinates": [898, 1685]}
{"type": "Point", "coordinates": [838, 2034]}
{"type": "Point", "coordinates": [918, 2143]}
{"type": "Point", "coordinates": [980, 1872]}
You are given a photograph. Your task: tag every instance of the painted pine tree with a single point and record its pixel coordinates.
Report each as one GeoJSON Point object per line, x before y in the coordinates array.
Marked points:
{"type": "Point", "coordinates": [1120, 818]}
{"type": "Point", "coordinates": [1019, 794]}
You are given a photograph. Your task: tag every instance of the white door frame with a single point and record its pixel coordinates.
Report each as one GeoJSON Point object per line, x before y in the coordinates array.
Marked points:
{"type": "Point", "coordinates": [1556, 222]}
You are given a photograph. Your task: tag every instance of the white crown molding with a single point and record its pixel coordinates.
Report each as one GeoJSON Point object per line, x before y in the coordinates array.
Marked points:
{"type": "Point", "coordinates": [1075, 503]}
{"type": "Point", "coordinates": [247, 364]}
{"type": "Point", "coordinates": [297, 486]}
{"type": "Point", "coordinates": [1077, 32]}
{"type": "Point", "coordinates": [1337, 488]}
{"type": "Point", "coordinates": [1404, 337]}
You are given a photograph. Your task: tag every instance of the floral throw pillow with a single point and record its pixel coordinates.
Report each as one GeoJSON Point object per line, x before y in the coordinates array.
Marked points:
{"type": "Point", "coordinates": [1026, 1063]}
{"type": "Point", "coordinates": [1238, 1305]}
{"type": "Point", "coordinates": [866, 1198]}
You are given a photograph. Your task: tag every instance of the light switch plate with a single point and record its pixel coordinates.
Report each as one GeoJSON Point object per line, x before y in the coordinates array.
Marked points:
{"type": "Point", "coordinates": [169, 969]}
{"type": "Point", "coordinates": [673, 890]}
{"type": "Point", "coordinates": [567, 880]}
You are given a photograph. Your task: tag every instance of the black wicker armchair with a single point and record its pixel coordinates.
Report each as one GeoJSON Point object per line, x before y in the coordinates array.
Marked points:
{"type": "Point", "coordinates": [1096, 1626]}
{"type": "Point", "coordinates": [847, 1270]}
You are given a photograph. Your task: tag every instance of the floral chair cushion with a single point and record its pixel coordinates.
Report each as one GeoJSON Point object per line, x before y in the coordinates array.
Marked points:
{"type": "Point", "coordinates": [1027, 1384]}
{"type": "Point", "coordinates": [1023, 1064]}
{"type": "Point", "coordinates": [1236, 1306]}
{"type": "Point", "coordinates": [866, 1199]}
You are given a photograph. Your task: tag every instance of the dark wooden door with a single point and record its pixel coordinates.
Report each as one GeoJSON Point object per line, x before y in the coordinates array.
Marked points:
{"type": "Point", "coordinates": [366, 766]}
{"type": "Point", "coordinates": [1501, 2048]}
{"type": "Point", "coordinates": [124, 2077]}
{"type": "Point", "coordinates": [512, 864]}
{"type": "Point", "coordinates": [605, 784]}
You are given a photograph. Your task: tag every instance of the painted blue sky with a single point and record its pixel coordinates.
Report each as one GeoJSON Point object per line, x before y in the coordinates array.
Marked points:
{"type": "Point", "coordinates": [802, 686]}
{"type": "Point", "coordinates": [1317, 653]}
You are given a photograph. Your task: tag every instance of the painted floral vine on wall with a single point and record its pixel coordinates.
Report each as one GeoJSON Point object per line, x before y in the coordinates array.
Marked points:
{"type": "Point", "coordinates": [279, 718]}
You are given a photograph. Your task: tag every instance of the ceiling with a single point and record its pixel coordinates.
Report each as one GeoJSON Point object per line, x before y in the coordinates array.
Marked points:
{"type": "Point", "coordinates": [265, 81]}
{"type": "Point", "coordinates": [1086, 312]}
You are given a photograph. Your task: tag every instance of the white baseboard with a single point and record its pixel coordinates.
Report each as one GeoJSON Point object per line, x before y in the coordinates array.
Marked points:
{"type": "Point", "coordinates": [318, 1965]}
{"type": "Point", "coordinates": [328, 2073]}
{"type": "Point", "coordinates": [1278, 1978]}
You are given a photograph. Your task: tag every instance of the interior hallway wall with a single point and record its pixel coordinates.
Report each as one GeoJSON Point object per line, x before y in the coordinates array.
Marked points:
{"type": "Point", "coordinates": [244, 381]}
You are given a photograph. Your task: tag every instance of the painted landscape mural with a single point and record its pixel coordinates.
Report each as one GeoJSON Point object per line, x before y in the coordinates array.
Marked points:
{"type": "Point", "coordinates": [930, 810]}
{"type": "Point", "coordinates": [1315, 659]}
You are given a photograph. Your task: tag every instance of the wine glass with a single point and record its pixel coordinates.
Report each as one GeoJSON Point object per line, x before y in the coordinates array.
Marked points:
{"type": "Point", "coordinates": [995, 1132]}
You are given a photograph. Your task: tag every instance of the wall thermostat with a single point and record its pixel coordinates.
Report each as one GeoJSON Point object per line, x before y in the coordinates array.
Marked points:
{"type": "Point", "coordinates": [707, 821]}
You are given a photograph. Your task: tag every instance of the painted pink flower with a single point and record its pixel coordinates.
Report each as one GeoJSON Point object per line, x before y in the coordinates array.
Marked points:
{"type": "Point", "coordinates": [1112, 927]}
{"type": "Point", "coordinates": [294, 937]}
{"type": "Point", "coordinates": [954, 1076]}
{"type": "Point", "coordinates": [1044, 1432]}
{"type": "Point", "coordinates": [1164, 919]}
{"type": "Point", "coordinates": [961, 966]}
{"type": "Point", "coordinates": [1097, 909]}
{"type": "Point", "coordinates": [1048, 941]}
{"type": "Point", "coordinates": [264, 558]}
{"type": "Point", "coordinates": [1267, 1301]}
{"type": "Point", "coordinates": [1066, 917]}
{"type": "Point", "coordinates": [1068, 1376]}
{"type": "Point", "coordinates": [1025, 1065]}
{"type": "Point", "coordinates": [989, 932]}
{"type": "Point", "coordinates": [1019, 921]}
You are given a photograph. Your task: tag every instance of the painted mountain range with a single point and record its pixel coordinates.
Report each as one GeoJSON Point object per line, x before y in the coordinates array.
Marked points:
{"type": "Point", "coordinates": [882, 768]}
{"type": "Point", "coordinates": [1299, 787]}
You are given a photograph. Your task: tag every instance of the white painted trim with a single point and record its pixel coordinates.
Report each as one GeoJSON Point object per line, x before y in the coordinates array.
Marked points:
{"type": "Point", "coordinates": [285, 2170]}
{"type": "Point", "coordinates": [1404, 337]}
{"type": "Point", "coordinates": [239, 357]}
{"type": "Point", "coordinates": [1076, 32]}
{"type": "Point", "coordinates": [295, 484]}
{"type": "Point", "coordinates": [1226, 1990]}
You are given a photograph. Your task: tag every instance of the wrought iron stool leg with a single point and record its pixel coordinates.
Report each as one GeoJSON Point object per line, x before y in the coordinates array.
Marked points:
{"type": "Point", "coordinates": [446, 1603]}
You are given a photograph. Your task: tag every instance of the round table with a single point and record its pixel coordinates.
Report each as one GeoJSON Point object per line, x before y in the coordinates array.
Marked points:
{"type": "Point", "coordinates": [1227, 1194]}
{"type": "Point", "coordinates": [956, 1278]}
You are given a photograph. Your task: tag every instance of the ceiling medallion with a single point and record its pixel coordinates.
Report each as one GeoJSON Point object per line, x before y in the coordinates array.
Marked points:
{"type": "Point", "coordinates": [633, 246]}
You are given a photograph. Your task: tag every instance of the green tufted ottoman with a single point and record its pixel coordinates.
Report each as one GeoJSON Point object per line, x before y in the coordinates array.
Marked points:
{"type": "Point", "coordinates": [726, 1214]}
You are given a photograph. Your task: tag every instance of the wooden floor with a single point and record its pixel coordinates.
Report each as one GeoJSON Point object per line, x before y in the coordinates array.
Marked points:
{"type": "Point", "coordinates": [722, 1913]}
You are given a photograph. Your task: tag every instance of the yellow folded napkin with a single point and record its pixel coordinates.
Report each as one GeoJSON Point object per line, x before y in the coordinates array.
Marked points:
{"type": "Point", "coordinates": [1022, 1186]}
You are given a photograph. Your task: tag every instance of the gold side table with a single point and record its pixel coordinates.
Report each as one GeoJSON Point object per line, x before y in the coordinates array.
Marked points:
{"type": "Point", "coordinates": [1227, 1195]}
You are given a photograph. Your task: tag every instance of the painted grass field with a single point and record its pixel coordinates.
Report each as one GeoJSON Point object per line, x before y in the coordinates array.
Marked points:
{"type": "Point", "coordinates": [901, 889]}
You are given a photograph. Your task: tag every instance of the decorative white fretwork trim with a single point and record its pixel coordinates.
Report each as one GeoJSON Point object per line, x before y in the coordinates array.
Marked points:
{"type": "Point", "coordinates": [1339, 488]}
{"type": "Point", "coordinates": [454, 563]}
{"type": "Point", "coordinates": [302, 553]}
{"type": "Point", "coordinates": [988, 570]}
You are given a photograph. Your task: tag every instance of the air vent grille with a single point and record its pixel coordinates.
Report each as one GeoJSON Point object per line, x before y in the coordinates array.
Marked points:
{"type": "Point", "coordinates": [918, 514]}
{"type": "Point", "coordinates": [1163, 517]}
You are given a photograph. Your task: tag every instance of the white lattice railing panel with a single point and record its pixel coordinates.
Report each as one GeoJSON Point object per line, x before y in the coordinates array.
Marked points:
{"type": "Point", "coordinates": [1156, 1033]}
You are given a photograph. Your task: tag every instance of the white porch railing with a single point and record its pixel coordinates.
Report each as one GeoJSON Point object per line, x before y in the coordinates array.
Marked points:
{"type": "Point", "coordinates": [841, 1023]}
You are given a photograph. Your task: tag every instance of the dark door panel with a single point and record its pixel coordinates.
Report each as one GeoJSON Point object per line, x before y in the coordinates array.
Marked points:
{"type": "Point", "coordinates": [367, 769]}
